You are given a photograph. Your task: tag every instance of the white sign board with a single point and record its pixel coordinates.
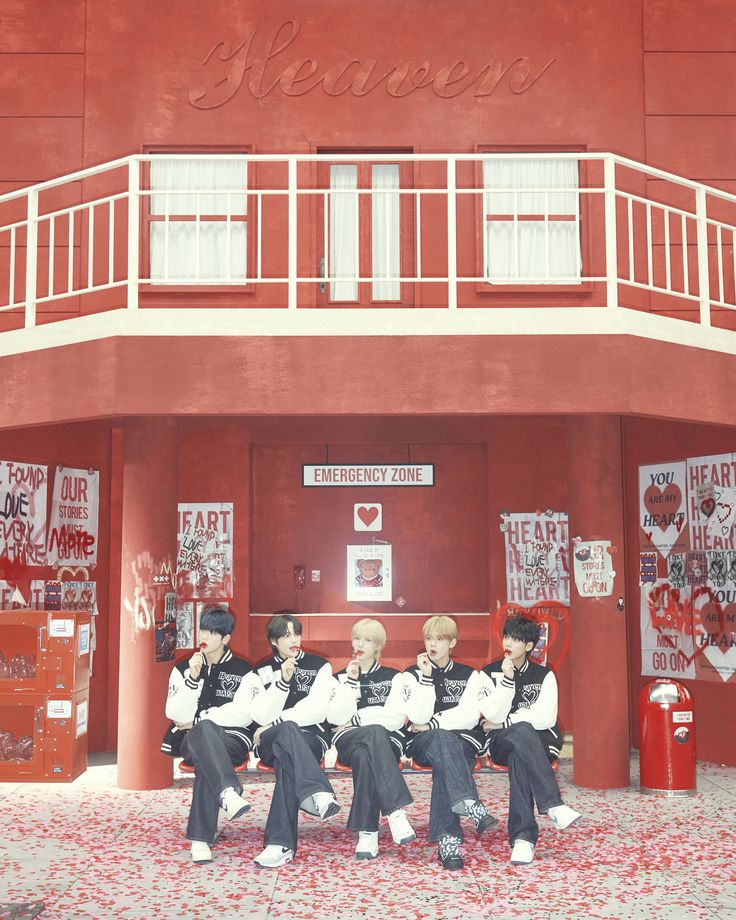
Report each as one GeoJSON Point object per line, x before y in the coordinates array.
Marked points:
{"type": "Point", "coordinates": [370, 474]}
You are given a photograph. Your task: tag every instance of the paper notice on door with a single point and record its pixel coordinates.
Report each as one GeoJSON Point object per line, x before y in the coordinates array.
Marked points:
{"type": "Point", "coordinates": [82, 709]}
{"type": "Point", "coordinates": [61, 629]}
{"type": "Point", "coordinates": [59, 709]}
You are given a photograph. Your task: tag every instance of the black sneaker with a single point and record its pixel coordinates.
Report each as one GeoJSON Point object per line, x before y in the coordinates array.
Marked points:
{"type": "Point", "coordinates": [449, 852]}
{"type": "Point", "coordinates": [480, 816]}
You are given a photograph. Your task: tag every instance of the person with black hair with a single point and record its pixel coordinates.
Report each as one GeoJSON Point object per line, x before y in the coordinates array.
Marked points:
{"type": "Point", "coordinates": [518, 703]}
{"type": "Point", "coordinates": [210, 702]}
{"type": "Point", "coordinates": [292, 737]}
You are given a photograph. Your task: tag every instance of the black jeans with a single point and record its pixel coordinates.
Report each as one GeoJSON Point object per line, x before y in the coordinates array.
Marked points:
{"type": "Point", "coordinates": [213, 753]}
{"type": "Point", "coordinates": [530, 778]}
{"type": "Point", "coordinates": [452, 759]}
{"type": "Point", "coordinates": [378, 786]}
{"type": "Point", "coordinates": [294, 755]}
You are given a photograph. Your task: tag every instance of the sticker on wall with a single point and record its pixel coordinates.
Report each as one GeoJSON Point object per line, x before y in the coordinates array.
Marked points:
{"type": "Point", "coordinates": [81, 720]}
{"type": "Point", "coordinates": [647, 568]}
{"type": "Point", "coordinates": [663, 507]}
{"type": "Point", "coordinates": [696, 568]}
{"type": "Point", "coordinates": [676, 570]}
{"type": "Point", "coordinates": [83, 640]}
{"type": "Point", "coordinates": [368, 516]}
{"type": "Point", "coordinates": [369, 572]}
{"type": "Point", "coordinates": [593, 567]}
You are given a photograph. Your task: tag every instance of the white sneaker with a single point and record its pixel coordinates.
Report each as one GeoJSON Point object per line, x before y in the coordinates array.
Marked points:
{"type": "Point", "coordinates": [401, 830]}
{"type": "Point", "coordinates": [274, 856]}
{"type": "Point", "coordinates": [201, 853]}
{"type": "Point", "coordinates": [563, 816]}
{"type": "Point", "coordinates": [522, 853]}
{"type": "Point", "coordinates": [232, 803]}
{"type": "Point", "coordinates": [326, 805]}
{"type": "Point", "coordinates": [367, 847]}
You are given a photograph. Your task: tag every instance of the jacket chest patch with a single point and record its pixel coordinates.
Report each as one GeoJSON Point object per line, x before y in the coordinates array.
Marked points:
{"type": "Point", "coordinates": [377, 694]}
{"type": "Point", "coordinates": [304, 679]}
{"type": "Point", "coordinates": [228, 685]}
{"type": "Point", "coordinates": [454, 689]}
{"type": "Point", "coordinates": [529, 695]}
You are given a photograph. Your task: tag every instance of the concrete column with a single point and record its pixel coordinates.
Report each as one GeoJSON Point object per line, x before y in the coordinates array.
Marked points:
{"type": "Point", "coordinates": [599, 661]}
{"type": "Point", "coordinates": [149, 502]}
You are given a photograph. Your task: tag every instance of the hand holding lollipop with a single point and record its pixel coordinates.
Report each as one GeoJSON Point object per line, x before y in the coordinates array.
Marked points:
{"type": "Point", "coordinates": [196, 662]}
{"type": "Point", "coordinates": [507, 665]}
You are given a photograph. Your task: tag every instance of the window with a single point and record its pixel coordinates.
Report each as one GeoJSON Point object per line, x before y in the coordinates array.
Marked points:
{"type": "Point", "coordinates": [198, 228]}
{"type": "Point", "coordinates": [532, 221]}
{"type": "Point", "coordinates": [343, 267]}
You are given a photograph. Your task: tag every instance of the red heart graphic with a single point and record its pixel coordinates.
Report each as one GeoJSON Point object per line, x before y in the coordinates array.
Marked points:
{"type": "Point", "coordinates": [367, 515]}
{"type": "Point", "coordinates": [611, 550]}
{"type": "Point", "coordinates": [553, 613]}
{"type": "Point", "coordinates": [663, 502]}
{"type": "Point", "coordinates": [708, 506]}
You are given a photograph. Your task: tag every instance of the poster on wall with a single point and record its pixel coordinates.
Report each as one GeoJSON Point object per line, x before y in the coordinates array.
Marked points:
{"type": "Point", "coordinates": [663, 507]}
{"type": "Point", "coordinates": [667, 648]}
{"type": "Point", "coordinates": [204, 562]}
{"type": "Point", "coordinates": [79, 595]}
{"type": "Point", "coordinates": [23, 511]}
{"type": "Point", "coordinates": [593, 567]}
{"type": "Point", "coordinates": [711, 483]}
{"type": "Point", "coordinates": [688, 612]}
{"type": "Point", "coordinates": [537, 561]}
{"type": "Point", "coordinates": [9, 599]}
{"type": "Point", "coordinates": [73, 526]}
{"type": "Point", "coordinates": [185, 625]}
{"type": "Point", "coordinates": [369, 572]}
{"type": "Point", "coordinates": [714, 633]}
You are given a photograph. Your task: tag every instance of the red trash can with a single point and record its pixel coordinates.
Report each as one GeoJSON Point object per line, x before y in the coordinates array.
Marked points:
{"type": "Point", "coordinates": [666, 739]}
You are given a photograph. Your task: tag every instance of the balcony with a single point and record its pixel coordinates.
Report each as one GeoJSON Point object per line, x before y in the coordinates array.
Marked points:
{"type": "Point", "coordinates": [345, 245]}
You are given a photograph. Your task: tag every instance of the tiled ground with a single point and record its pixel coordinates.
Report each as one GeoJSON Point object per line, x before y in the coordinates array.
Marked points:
{"type": "Point", "coordinates": [90, 850]}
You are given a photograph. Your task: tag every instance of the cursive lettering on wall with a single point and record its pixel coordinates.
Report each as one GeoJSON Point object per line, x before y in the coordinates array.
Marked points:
{"type": "Point", "coordinates": [252, 64]}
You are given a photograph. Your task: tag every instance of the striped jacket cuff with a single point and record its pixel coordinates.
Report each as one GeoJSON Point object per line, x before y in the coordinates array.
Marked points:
{"type": "Point", "coordinates": [433, 723]}
{"type": "Point", "coordinates": [282, 685]}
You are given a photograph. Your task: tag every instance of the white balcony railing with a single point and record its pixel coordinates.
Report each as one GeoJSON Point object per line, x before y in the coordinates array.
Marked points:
{"type": "Point", "coordinates": [119, 237]}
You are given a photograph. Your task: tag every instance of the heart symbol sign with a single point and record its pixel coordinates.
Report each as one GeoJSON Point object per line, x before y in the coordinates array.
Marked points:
{"type": "Point", "coordinates": [367, 515]}
{"type": "Point", "coordinates": [553, 613]}
{"type": "Point", "coordinates": [668, 500]}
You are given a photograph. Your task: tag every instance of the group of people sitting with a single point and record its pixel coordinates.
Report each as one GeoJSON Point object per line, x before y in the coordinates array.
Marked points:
{"type": "Point", "coordinates": [440, 713]}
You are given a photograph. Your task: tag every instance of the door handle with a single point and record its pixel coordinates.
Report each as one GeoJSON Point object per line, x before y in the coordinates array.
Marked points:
{"type": "Point", "coordinates": [41, 629]}
{"type": "Point", "coordinates": [322, 284]}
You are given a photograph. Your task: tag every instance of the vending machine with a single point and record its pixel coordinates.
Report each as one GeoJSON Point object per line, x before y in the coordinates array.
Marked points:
{"type": "Point", "coordinates": [44, 694]}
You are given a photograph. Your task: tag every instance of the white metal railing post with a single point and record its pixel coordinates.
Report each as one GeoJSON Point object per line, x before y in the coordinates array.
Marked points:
{"type": "Point", "coordinates": [451, 233]}
{"type": "Point", "coordinates": [701, 213]}
{"type": "Point", "coordinates": [292, 234]}
{"type": "Point", "coordinates": [609, 185]}
{"type": "Point", "coordinates": [134, 223]}
{"type": "Point", "coordinates": [31, 258]}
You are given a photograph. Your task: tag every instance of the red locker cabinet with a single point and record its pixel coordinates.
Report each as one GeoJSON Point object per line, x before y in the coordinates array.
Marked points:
{"type": "Point", "coordinates": [43, 736]}
{"type": "Point", "coordinates": [44, 650]}
{"type": "Point", "coordinates": [44, 694]}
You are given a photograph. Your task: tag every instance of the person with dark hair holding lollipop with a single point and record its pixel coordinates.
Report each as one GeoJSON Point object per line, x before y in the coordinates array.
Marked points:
{"type": "Point", "coordinates": [210, 702]}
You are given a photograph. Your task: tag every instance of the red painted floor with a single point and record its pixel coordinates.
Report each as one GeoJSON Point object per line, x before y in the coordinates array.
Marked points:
{"type": "Point", "coordinates": [91, 850]}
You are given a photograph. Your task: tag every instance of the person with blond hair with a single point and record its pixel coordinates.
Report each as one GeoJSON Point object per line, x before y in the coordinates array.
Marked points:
{"type": "Point", "coordinates": [368, 708]}
{"type": "Point", "coordinates": [444, 734]}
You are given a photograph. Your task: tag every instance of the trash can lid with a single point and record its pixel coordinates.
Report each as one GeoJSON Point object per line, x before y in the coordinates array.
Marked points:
{"type": "Point", "coordinates": [664, 693]}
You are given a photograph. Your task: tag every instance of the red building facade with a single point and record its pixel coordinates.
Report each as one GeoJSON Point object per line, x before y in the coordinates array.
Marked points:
{"type": "Point", "coordinates": [476, 236]}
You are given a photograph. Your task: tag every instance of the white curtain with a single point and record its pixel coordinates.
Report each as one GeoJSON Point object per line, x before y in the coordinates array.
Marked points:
{"type": "Point", "coordinates": [343, 261]}
{"type": "Point", "coordinates": [517, 250]}
{"type": "Point", "coordinates": [386, 247]}
{"type": "Point", "coordinates": [185, 250]}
